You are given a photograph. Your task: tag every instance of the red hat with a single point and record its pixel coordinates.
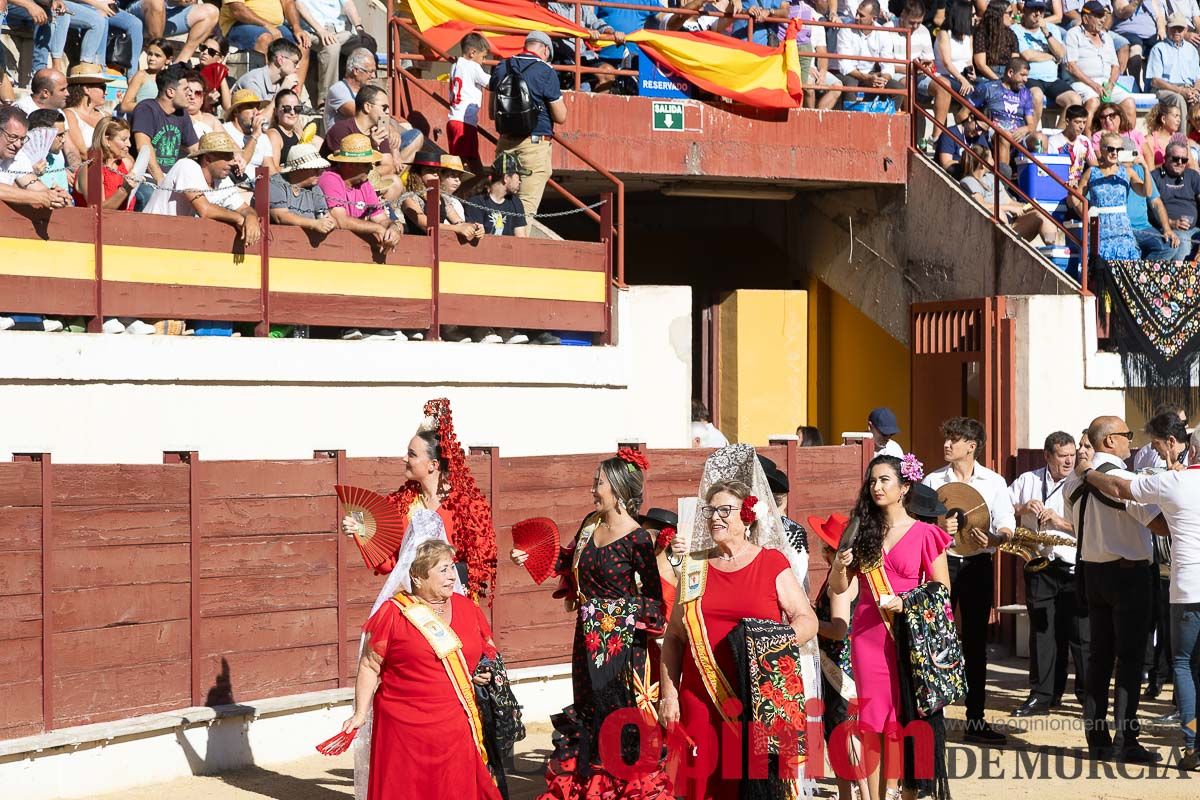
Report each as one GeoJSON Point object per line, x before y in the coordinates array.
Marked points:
{"type": "Point", "coordinates": [830, 530]}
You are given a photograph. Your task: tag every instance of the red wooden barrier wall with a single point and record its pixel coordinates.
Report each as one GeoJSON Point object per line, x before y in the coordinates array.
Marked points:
{"type": "Point", "coordinates": [134, 589]}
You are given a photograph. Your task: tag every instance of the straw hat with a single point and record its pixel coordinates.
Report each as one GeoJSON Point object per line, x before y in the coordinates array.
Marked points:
{"type": "Point", "coordinates": [87, 75]}
{"type": "Point", "coordinates": [216, 142]}
{"type": "Point", "coordinates": [442, 161]}
{"type": "Point", "coordinates": [243, 97]}
{"type": "Point", "coordinates": [303, 156]}
{"type": "Point", "coordinates": [356, 149]}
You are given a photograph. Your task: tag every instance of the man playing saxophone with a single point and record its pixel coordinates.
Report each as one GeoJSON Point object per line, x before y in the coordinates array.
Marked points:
{"type": "Point", "coordinates": [1057, 618]}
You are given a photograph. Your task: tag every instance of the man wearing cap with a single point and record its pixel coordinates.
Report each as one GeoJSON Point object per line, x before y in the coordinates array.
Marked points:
{"type": "Point", "coordinates": [881, 422]}
{"type": "Point", "coordinates": [295, 197]}
{"type": "Point", "coordinates": [1173, 70]}
{"type": "Point", "coordinates": [498, 209]}
{"type": "Point", "coordinates": [352, 200]}
{"type": "Point", "coordinates": [1057, 619]}
{"type": "Point", "coordinates": [188, 189]}
{"type": "Point", "coordinates": [247, 126]}
{"type": "Point", "coordinates": [534, 149]}
{"type": "Point", "coordinates": [1092, 62]}
{"type": "Point", "coordinates": [161, 123]}
{"type": "Point", "coordinates": [972, 579]}
{"type": "Point", "coordinates": [1038, 43]}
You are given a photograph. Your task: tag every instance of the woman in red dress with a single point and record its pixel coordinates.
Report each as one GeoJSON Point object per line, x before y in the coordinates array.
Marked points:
{"type": "Point", "coordinates": [739, 579]}
{"type": "Point", "coordinates": [423, 647]}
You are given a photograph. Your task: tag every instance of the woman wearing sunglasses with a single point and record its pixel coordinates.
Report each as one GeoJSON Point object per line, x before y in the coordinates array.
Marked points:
{"type": "Point", "coordinates": [212, 52]}
{"type": "Point", "coordinates": [286, 129]}
{"type": "Point", "coordinates": [1110, 119]}
{"type": "Point", "coordinates": [1106, 187]}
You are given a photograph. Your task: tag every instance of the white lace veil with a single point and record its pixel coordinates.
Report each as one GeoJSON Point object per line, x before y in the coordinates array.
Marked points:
{"type": "Point", "coordinates": [423, 526]}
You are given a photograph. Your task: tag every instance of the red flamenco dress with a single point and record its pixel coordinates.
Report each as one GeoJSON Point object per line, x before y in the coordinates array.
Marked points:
{"type": "Point", "coordinates": [621, 610]}
{"type": "Point", "coordinates": [729, 597]}
{"type": "Point", "coordinates": [422, 744]}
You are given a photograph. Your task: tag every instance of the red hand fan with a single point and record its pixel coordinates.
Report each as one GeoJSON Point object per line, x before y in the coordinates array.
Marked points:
{"type": "Point", "coordinates": [539, 538]}
{"type": "Point", "coordinates": [336, 745]}
{"type": "Point", "coordinates": [381, 526]}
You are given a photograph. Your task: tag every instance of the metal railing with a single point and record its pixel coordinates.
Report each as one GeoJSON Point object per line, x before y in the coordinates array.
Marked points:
{"type": "Point", "coordinates": [1084, 241]}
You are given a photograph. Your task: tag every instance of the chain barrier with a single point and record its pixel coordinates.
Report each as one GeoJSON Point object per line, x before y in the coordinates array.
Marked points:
{"type": "Point", "coordinates": [540, 215]}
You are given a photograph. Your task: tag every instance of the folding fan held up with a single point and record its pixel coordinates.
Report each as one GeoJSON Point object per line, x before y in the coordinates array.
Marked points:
{"type": "Point", "coordinates": [380, 523]}
{"type": "Point", "coordinates": [539, 538]}
{"type": "Point", "coordinates": [336, 745]}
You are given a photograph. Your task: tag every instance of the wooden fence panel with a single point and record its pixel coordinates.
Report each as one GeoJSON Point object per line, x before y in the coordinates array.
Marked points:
{"type": "Point", "coordinates": [20, 599]}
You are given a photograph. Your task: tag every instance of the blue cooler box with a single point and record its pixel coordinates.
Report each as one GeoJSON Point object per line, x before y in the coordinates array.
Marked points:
{"type": "Point", "coordinates": [1036, 183]}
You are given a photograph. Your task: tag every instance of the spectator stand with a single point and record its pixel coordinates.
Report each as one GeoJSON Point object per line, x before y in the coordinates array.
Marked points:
{"type": "Point", "coordinates": [1083, 242]}
{"type": "Point", "coordinates": [96, 263]}
{"type": "Point", "coordinates": [402, 83]}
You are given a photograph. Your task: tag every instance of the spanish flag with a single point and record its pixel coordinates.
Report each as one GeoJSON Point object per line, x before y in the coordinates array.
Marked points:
{"type": "Point", "coordinates": [764, 77]}
{"type": "Point", "coordinates": [445, 22]}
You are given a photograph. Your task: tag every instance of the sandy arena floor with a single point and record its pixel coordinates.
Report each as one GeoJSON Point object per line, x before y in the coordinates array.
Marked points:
{"type": "Point", "coordinates": [1042, 761]}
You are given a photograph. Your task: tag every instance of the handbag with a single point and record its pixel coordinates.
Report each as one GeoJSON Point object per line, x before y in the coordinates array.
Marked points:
{"type": "Point", "coordinates": [926, 632]}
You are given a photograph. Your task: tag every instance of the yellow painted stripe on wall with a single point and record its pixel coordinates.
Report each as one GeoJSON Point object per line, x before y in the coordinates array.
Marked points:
{"type": "Point", "coordinates": [535, 283]}
{"type": "Point", "coordinates": [181, 267]}
{"type": "Point", "coordinates": [308, 276]}
{"type": "Point", "coordinates": [33, 258]}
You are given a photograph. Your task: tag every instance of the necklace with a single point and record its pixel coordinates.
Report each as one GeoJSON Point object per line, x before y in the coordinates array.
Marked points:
{"type": "Point", "coordinates": [439, 606]}
{"type": "Point", "coordinates": [731, 556]}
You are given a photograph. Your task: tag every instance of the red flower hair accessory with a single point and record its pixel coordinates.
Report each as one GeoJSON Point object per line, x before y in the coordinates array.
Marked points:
{"type": "Point", "coordinates": [665, 537]}
{"type": "Point", "coordinates": [634, 458]}
{"type": "Point", "coordinates": [748, 514]}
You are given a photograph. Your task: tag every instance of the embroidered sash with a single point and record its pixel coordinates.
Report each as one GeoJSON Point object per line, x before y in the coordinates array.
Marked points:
{"type": "Point", "coordinates": [586, 530]}
{"type": "Point", "coordinates": [715, 683]}
{"type": "Point", "coordinates": [448, 648]}
{"type": "Point", "coordinates": [878, 582]}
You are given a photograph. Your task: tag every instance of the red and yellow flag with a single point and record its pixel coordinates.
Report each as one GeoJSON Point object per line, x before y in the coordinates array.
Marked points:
{"type": "Point", "coordinates": [445, 22]}
{"type": "Point", "coordinates": [764, 77]}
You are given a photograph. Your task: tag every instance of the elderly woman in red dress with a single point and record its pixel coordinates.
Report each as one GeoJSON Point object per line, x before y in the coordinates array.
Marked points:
{"type": "Point", "coordinates": [422, 649]}
{"type": "Point", "coordinates": [744, 575]}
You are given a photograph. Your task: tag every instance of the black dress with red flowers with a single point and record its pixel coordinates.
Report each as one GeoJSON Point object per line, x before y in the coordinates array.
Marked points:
{"type": "Point", "coordinates": [620, 608]}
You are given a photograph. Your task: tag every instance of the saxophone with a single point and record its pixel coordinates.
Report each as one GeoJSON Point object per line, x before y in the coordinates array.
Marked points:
{"type": "Point", "coordinates": [1026, 543]}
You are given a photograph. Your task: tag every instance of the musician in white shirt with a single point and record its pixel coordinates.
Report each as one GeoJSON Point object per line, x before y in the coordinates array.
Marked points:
{"type": "Point", "coordinates": [1115, 555]}
{"type": "Point", "coordinates": [972, 580]}
{"type": "Point", "coordinates": [1056, 620]}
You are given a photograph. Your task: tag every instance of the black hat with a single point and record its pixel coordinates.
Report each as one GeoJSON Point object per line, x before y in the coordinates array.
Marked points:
{"type": "Point", "coordinates": [777, 479]}
{"type": "Point", "coordinates": [923, 502]}
{"type": "Point", "coordinates": [661, 517]}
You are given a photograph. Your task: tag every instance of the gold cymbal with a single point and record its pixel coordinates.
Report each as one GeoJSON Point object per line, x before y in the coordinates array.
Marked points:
{"type": "Point", "coordinates": [968, 505]}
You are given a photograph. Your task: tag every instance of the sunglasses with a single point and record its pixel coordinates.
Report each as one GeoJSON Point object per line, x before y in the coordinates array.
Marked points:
{"type": "Point", "coordinates": [1109, 115]}
{"type": "Point", "coordinates": [212, 51]}
{"type": "Point", "coordinates": [1112, 150]}
{"type": "Point", "coordinates": [1127, 434]}
{"type": "Point", "coordinates": [1178, 159]}
{"type": "Point", "coordinates": [289, 109]}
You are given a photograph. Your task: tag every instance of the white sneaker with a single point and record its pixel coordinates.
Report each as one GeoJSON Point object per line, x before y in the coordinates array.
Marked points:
{"type": "Point", "coordinates": [352, 334]}
{"type": "Point", "coordinates": [488, 336]}
{"type": "Point", "coordinates": [417, 336]}
{"type": "Point", "coordinates": [139, 328]}
{"type": "Point", "coordinates": [517, 338]}
{"type": "Point", "coordinates": [453, 333]}
{"type": "Point", "coordinates": [6, 323]}
{"type": "Point", "coordinates": [383, 335]}
{"type": "Point", "coordinates": [52, 325]}
{"type": "Point", "coordinates": [113, 325]}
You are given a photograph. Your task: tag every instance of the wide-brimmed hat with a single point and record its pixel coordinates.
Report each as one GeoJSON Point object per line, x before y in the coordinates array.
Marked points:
{"type": "Point", "coordinates": [216, 142]}
{"type": "Point", "coordinates": [830, 530]}
{"type": "Point", "coordinates": [303, 156]}
{"type": "Point", "coordinates": [777, 479]}
{"type": "Point", "coordinates": [86, 74]}
{"type": "Point", "coordinates": [356, 149]}
{"type": "Point", "coordinates": [244, 97]}
{"type": "Point", "coordinates": [923, 502]}
{"type": "Point", "coordinates": [428, 158]}
{"type": "Point", "coordinates": [660, 518]}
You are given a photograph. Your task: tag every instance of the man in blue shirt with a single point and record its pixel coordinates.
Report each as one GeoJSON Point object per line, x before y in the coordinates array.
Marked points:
{"type": "Point", "coordinates": [1039, 44]}
{"type": "Point", "coordinates": [949, 154]}
{"type": "Point", "coordinates": [1008, 103]}
{"type": "Point", "coordinates": [1155, 245]}
{"type": "Point", "coordinates": [1173, 70]}
{"type": "Point", "coordinates": [761, 11]}
{"type": "Point", "coordinates": [533, 151]}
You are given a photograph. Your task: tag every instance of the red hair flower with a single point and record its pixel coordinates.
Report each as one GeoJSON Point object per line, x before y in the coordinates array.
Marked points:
{"type": "Point", "coordinates": [665, 537]}
{"type": "Point", "coordinates": [747, 513]}
{"type": "Point", "coordinates": [634, 458]}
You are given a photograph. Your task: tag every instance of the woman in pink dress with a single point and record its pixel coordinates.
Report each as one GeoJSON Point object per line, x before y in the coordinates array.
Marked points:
{"type": "Point", "coordinates": [911, 553]}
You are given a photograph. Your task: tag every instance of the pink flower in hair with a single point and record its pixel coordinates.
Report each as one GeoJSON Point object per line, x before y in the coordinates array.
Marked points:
{"type": "Point", "coordinates": [911, 468]}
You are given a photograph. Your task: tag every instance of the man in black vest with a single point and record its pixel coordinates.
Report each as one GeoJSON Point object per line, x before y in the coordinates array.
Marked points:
{"type": "Point", "coordinates": [1115, 553]}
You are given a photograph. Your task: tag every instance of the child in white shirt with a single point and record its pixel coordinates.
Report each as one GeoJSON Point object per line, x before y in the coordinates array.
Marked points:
{"type": "Point", "coordinates": [467, 82]}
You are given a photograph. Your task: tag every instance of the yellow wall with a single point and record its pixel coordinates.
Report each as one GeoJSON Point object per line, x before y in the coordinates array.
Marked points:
{"type": "Point", "coordinates": [763, 364]}
{"type": "Point", "coordinates": [856, 367]}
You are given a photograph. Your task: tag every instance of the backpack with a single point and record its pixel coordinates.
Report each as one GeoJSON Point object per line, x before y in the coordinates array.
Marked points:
{"type": "Point", "coordinates": [513, 108]}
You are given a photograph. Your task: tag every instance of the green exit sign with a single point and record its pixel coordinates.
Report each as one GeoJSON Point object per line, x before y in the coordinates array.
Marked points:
{"type": "Point", "coordinates": [666, 116]}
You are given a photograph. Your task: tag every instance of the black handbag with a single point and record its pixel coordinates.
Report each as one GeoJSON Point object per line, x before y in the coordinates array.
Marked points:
{"type": "Point", "coordinates": [119, 53]}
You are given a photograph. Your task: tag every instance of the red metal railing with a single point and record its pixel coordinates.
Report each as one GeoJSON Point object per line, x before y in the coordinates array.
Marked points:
{"type": "Point", "coordinates": [1084, 241]}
